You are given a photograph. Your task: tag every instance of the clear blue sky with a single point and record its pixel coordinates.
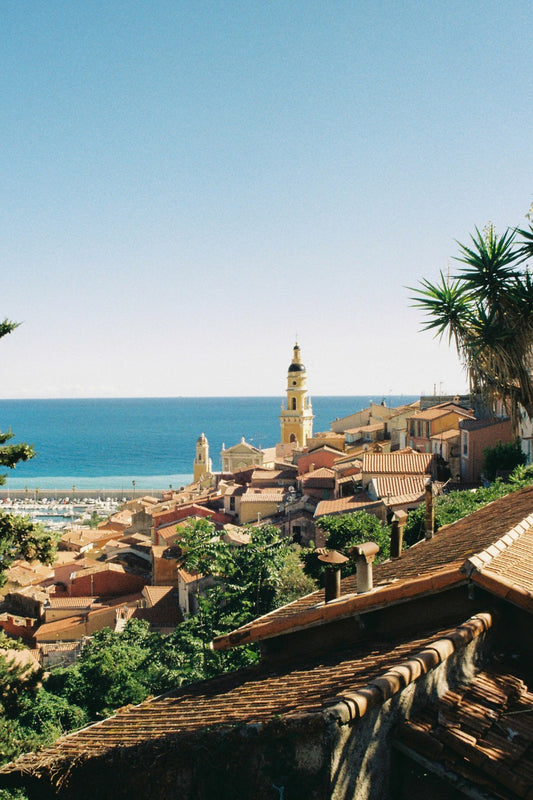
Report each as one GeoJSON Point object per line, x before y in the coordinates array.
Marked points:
{"type": "Point", "coordinates": [187, 186]}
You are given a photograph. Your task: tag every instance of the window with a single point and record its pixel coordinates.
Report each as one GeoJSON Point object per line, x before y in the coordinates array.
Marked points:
{"type": "Point", "coordinates": [294, 404]}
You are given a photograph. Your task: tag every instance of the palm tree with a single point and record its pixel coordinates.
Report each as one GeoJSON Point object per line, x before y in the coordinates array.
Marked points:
{"type": "Point", "coordinates": [486, 309]}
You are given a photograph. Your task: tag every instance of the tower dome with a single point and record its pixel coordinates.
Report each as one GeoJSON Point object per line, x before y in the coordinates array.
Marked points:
{"type": "Point", "coordinates": [296, 364]}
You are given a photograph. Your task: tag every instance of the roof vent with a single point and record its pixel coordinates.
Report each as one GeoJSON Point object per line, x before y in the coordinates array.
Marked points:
{"type": "Point", "coordinates": [364, 555]}
{"type": "Point", "coordinates": [333, 560]}
{"type": "Point", "coordinates": [396, 534]}
{"type": "Point", "coordinates": [430, 509]}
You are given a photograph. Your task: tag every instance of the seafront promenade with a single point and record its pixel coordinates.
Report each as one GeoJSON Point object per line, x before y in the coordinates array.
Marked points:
{"type": "Point", "coordinates": [77, 494]}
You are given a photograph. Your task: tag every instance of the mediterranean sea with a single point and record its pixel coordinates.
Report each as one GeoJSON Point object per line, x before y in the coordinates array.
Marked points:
{"type": "Point", "coordinates": [109, 443]}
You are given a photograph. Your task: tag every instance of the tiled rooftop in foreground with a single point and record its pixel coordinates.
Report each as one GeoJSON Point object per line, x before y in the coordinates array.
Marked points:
{"type": "Point", "coordinates": [482, 731]}
{"type": "Point", "coordinates": [340, 683]}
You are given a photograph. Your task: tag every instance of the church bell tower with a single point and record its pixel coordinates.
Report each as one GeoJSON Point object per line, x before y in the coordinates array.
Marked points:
{"type": "Point", "coordinates": [297, 417]}
{"type": "Point", "coordinates": [202, 462]}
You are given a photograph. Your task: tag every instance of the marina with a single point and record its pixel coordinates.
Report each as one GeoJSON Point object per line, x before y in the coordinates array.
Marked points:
{"type": "Point", "coordinates": [59, 514]}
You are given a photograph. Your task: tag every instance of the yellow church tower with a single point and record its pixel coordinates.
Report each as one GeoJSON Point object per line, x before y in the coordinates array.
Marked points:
{"type": "Point", "coordinates": [297, 417]}
{"type": "Point", "coordinates": [202, 463]}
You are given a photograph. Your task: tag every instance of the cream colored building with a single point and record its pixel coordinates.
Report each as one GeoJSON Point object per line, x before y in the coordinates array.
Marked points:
{"type": "Point", "coordinates": [240, 456]}
{"type": "Point", "coordinates": [202, 463]}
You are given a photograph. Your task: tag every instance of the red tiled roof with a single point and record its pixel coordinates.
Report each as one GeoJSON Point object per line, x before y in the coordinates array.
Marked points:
{"type": "Point", "coordinates": [71, 602]}
{"type": "Point", "coordinates": [321, 472]}
{"type": "Point", "coordinates": [405, 463]}
{"type": "Point", "coordinates": [394, 485]}
{"type": "Point", "coordinates": [440, 411]}
{"type": "Point", "coordinates": [336, 685]}
{"type": "Point", "coordinates": [158, 594]}
{"type": "Point", "coordinates": [345, 505]}
{"type": "Point", "coordinates": [271, 495]}
{"type": "Point", "coordinates": [506, 567]}
{"type": "Point", "coordinates": [477, 424]}
{"type": "Point", "coordinates": [377, 426]}
{"type": "Point", "coordinates": [481, 731]}
{"type": "Point", "coordinates": [453, 433]}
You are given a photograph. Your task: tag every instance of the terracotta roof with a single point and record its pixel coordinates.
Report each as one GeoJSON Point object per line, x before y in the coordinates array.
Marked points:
{"type": "Point", "coordinates": [96, 568]}
{"type": "Point", "coordinates": [409, 462]}
{"type": "Point", "coordinates": [453, 433]}
{"type": "Point", "coordinates": [377, 426]}
{"type": "Point", "coordinates": [481, 731]}
{"type": "Point", "coordinates": [270, 495]}
{"type": "Point", "coordinates": [477, 424]}
{"type": "Point", "coordinates": [234, 491]}
{"type": "Point", "coordinates": [440, 411]}
{"type": "Point", "coordinates": [506, 567]}
{"type": "Point", "coordinates": [347, 478]}
{"type": "Point", "coordinates": [158, 594]}
{"type": "Point", "coordinates": [70, 602]}
{"type": "Point", "coordinates": [394, 485]}
{"type": "Point", "coordinates": [345, 505]}
{"type": "Point", "coordinates": [189, 577]}
{"type": "Point", "coordinates": [427, 567]}
{"type": "Point", "coordinates": [321, 472]}
{"type": "Point", "coordinates": [341, 685]}
{"type": "Point", "coordinates": [322, 478]}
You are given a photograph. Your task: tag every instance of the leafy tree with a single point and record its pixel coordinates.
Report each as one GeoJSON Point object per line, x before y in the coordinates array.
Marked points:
{"type": "Point", "coordinates": [486, 310]}
{"type": "Point", "coordinates": [502, 457]}
{"type": "Point", "coordinates": [111, 671]}
{"type": "Point", "coordinates": [19, 537]}
{"type": "Point", "coordinates": [22, 702]}
{"type": "Point", "coordinates": [293, 580]}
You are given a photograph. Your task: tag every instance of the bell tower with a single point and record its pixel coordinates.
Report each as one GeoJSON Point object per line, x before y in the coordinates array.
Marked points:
{"type": "Point", "coordinates": [297, 417]}
{"type": "Point", "coordinates": [202, 462]}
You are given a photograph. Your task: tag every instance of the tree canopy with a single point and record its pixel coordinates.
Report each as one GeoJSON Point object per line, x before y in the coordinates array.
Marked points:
{"type": "Point", "coordinates": [19, 537]}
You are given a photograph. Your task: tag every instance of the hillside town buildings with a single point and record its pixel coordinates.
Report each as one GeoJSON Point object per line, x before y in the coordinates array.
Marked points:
{"type": "Point", "coordinates": [411, 681]}
{"type": "Point", "coordinates": [381, 691]}
{"type": "Point", "coordinates": [378, 460]}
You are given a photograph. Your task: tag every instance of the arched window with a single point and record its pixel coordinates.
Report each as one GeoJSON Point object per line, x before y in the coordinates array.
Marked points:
{"type": "Point", "coordinates": [293, 437]}
{"type": "Point", "coordinates": [294, 404]}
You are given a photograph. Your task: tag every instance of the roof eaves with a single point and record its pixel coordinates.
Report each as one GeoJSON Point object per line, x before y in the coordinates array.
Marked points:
{"type": "Point", "coordinates": [322, 613]}
{"type": "Point", "coordinates": [504, 588]}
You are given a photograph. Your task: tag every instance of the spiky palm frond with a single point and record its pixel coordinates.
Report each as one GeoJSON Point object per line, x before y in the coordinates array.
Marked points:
{"type": "Point", "coordinates": [527, 243]}
{"type": "Point", "coordinates": [490, 264]}
{"type": "Point", "coordinates": [446, 305]}
{"type": "Point", "coordinates": [488, 310]}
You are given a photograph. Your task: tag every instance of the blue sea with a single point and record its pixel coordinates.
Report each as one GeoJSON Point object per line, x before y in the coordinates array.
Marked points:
{"type": "Point", "coordinates": [109, 443]}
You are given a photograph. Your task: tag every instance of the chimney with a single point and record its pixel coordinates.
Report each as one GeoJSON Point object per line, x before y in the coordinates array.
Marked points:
{"type": "Point", "coordinates": [333, 560]}
{"type": "Point", "coordinates": [364, 555]}
{"type": "Point", "coordinates": [396, 535]}
{"type": "Point", "coordinates": [430, 510]}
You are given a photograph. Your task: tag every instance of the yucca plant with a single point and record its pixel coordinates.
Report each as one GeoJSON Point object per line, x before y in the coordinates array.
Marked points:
{"type": "Point", "coordinates": [487, 310]}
